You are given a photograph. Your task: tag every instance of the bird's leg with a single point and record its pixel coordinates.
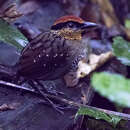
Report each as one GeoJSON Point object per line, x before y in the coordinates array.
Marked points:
{"type": "Point", "coordinates": [40, 87]}
{"type": "Point", "coordinates": [49, 88]}
{"type": "Point", "coordinates": [34, 85]}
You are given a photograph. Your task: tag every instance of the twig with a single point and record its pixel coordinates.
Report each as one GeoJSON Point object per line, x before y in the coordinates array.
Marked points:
{"type": "Point", "coordinates": [32, 91]}
{"type": "Point", "coordinates": [72, 103]}
{"type": "Point", "coordinates": [16, 86]}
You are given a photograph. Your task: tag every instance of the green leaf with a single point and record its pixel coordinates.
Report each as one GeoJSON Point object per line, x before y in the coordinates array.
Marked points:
{"type": "Point", "coordinates": [121, 49]}
{"type": "Point", "coordinates": [127, 23]}
{"type": "Point", "coordinates": [11, 35]}
{"type": "Point", "coordinates": [112, 119]}
{"type": "Point", "coordinates": [112, 86]}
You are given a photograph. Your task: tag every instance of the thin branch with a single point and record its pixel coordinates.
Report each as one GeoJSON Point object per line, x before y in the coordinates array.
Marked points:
{"type": "Point", "coordinates": [16, 86]}
{"type": "Point", "coordinates": [72, 103]}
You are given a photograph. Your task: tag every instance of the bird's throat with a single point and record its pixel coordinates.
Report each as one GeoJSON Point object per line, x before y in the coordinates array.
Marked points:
{"type": "Point", "coordinates": [72, 36]}
{"type": "Point", "coordinates": [69, 35]}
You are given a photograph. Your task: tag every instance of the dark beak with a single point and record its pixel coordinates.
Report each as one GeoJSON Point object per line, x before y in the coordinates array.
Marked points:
{"type": "Point", "coordinates": [87, 25]}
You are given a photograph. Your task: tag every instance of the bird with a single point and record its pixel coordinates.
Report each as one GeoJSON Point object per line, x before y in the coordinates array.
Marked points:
{"type": "Point", "coordinates": [53, 54]}
{"type": "Point", "coordinates": [57, 52]}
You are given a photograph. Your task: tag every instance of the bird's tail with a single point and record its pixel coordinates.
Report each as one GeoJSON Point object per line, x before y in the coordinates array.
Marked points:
{"type": "Point", "coordinates": [8, 72]}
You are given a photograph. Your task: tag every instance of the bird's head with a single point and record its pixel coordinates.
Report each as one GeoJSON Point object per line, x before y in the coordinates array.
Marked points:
{"type": "Point", "coordinates": [72, 27]}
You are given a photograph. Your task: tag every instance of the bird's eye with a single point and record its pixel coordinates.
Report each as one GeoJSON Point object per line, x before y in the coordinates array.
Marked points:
{"type": "Point", "coordinates": [70, 24]}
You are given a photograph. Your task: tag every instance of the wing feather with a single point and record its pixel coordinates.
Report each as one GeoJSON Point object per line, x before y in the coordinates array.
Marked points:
{"type": "Point", "coordinates": [41, 57]}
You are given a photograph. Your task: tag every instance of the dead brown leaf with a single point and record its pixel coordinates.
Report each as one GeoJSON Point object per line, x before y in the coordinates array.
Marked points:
{"type": "Point", "coordinates": [5, 107]}
{"type": "Point", "coordinates": [11, 13]}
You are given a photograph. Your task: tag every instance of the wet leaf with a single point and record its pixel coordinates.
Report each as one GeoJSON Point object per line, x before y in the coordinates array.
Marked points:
{"type": "Point", "coordinates": [112, 119]}
{"type": "Point", "coordinates": [112, 86]}
{"type": "Point", "coordinates": [11, 35]}
{"type": "Point", "coordinates": [121, 49]}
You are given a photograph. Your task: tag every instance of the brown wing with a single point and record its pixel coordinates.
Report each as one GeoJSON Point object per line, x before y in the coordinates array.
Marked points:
{"type": "Point", "coordinates": [43, 57]}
